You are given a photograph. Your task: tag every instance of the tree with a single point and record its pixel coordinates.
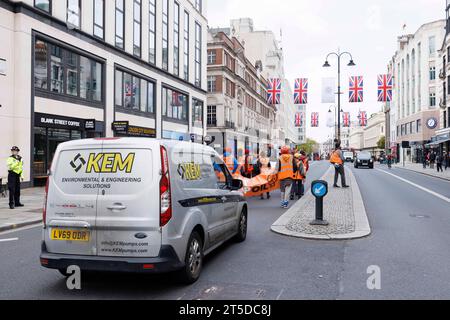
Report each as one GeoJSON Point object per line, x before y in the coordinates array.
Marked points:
{"type": "Point", "coordinates": [309, 147]}
{"type": "Point", "coordinates": [382, 143]}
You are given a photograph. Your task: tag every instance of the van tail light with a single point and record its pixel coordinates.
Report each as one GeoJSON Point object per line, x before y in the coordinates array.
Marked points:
{"type": "Point", "coordinates": [164, 190]}
{"type": "Point", "coordinates": [44, 211]}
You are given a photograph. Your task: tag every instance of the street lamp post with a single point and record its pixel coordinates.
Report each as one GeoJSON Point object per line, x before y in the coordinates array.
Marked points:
{"type": "Point", "coordinates": [327, 65]}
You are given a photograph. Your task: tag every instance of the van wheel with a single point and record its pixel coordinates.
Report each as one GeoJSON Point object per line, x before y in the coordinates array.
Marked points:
{"type": "Point", "coordinates": [193, 260]}
{"type": "Point", "coordinates": [243, 225]}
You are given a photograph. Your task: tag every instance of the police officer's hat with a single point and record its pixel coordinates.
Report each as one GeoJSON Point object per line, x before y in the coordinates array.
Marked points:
{"type": "Point", "coordinates": [15, 149]}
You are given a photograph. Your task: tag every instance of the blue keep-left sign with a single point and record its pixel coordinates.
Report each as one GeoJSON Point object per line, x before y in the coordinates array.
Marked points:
{"type": "Point", "coordinates": [319, 189]}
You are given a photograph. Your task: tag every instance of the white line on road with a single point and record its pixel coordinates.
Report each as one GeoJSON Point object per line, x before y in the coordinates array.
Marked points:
{"type": "Point", "coordinates": [440, 196]}
{"type": "Point", "coordinates": [9, 240]}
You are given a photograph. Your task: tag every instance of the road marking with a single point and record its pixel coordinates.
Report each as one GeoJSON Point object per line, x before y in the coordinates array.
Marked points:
{"type": "Point", "coordinates": [9, 240]}
{"type": "Point", "coordinates": [281, 293]}
{"type": "Point", "coordinates": [440, 196]}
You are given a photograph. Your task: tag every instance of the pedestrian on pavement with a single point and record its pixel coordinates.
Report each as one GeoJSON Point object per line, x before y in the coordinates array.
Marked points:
{"type": "Point", "coordinates": [425, 161]}
{"type": "Point", "coordinates": [432, 160]}
{"type": "Point", "coordinates": [447, 160]}
{"type": "Point", "coordinates": [337, 159]}
{"type": "Point", "coordinates": [15, 176]}
{"type": "Point", "coordinates": [439, 163]}
{"type": "Point", "coordinates": [299, 177]}
{"type": "Point", "coordinates": [230, 161]}
{"type": "Point", "coordinates": [285, 169]}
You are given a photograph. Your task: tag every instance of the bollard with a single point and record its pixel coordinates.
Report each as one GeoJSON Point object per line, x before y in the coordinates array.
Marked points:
{"type": "Point", "coordinates": [319, 189]}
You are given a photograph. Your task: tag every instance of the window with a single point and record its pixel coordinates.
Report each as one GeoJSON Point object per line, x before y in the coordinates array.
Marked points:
{"type": "Point", "coordinates": [197, 113]}
{"type": "Point", "coordinates": [432, 99]}
{"type": "Point", "coordinates": [176, 39]}
{"type": "Point", "coordinates": [432, 73]}
{"type": "Point", "coordinates": [165, 36]}
{"type": "Point", "coordinates": [212, 84]}
{"type": "Point", "coordinates": [152, 31]}
{"type": "Point", "coordinates": [73, 13]}
{"type": "Point", "coordinates": [99, 22]}
{"type": "Point", "coordinates": [44, 5]}
{"type": "Point", "coordinates": [419, 126]}
{"type": "Point", "coordinates": [198, 5]}
{"type": "Point", "coordinates": [174, 105]}
{"type": "Point", "coordinates": [198, 55]}
{"type": "Point", "coordinates": [212, 56]}
{"type": "Point", "coordinates": [432, 44]}
{"type": "Point", "coordinates": [186, 46]}
{"type": "Point", "coordinates": [137, 28]}
{"type": "Point", "coordinates": [134, 93]}
{"type": "Point", "coordinates": [120, 24]}
{"type": "Point", "coordinates": [65, 72]}
{"type": "Point", "coordinates": [212, 116]}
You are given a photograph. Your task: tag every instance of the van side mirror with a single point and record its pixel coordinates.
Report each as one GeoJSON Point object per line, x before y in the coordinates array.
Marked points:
{"type": "Point", "coordinates": [236, 184]}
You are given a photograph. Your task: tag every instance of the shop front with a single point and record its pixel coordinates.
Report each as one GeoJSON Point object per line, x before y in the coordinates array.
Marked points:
{"type": "Point", "coordinates": [124, 129]}
{"type": "Point", "coordinates": [51, 130]}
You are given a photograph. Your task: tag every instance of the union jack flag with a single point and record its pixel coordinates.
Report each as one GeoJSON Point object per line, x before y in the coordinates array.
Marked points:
{"type": "Point", "coordinates": [298, 119]}
{"type": "Point", "coordinates": [356, 88]}
{"type": "Point", "coordinates": [385, 85]}
{"type": "Point", "coordinates": [274, 91]}
{"type": "Point", "coordinates": [301, 91]}
{"type": "Point", "coordinates": [315, 119]}
{"type": "Point", "coordinates": [346, 122]}
{"type": "Point", "coordinates": [363, 118]}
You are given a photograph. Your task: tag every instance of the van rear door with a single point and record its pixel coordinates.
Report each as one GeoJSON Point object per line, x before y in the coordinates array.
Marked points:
{"type": "Point", "coordinates": [128, 217]}
{"type": "Point", "coordinates": [72, 201]}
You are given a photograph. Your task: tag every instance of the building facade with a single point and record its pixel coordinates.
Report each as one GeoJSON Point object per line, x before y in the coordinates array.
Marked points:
{"type": "Point", "coordinates": [238, 115]}
{"type": "Point", "coordinates": [441, 140]}
{"type": "Point", "coordinates": [263, 48]}
{"type": "Point", "coordinates": [416, 69]}
{"type": "Point", "coordinates": [374, 132]}
{"type": "Point", "coordinates": [80, 68]}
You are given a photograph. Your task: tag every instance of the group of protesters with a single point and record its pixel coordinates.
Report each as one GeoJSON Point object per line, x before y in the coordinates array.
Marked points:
{"type": "Point", "coordinates": [289, 172]}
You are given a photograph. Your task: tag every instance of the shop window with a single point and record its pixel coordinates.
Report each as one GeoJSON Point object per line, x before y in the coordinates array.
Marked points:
{"type": "Point", "coordinates": [175, 104]}
{"type": "Point", "coordinates": [134, 93]}
{"type": "Point", "coordinates": [197, 113]}
{"type": "Point", "coordinates": [68, 73]}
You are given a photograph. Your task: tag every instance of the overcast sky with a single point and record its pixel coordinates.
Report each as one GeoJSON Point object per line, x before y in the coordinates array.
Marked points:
{"type": "Point", "coordinates": [313, 28]}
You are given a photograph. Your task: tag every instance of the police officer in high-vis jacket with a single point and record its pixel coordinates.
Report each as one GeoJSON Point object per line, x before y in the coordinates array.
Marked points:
{"type": "Point", "coordinates": [15, 175]}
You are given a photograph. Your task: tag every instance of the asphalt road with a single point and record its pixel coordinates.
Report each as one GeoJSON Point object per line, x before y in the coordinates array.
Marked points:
{"type": "Point", "coordinates": [409, 244]}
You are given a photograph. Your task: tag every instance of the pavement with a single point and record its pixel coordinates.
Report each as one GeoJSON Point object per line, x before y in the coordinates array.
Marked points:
{"type": "Point", "coordinates": [417, 167]}
{"type": "Point", "coordinates": [33, 199]}
{"type": "Point", "coordinates": [343, 209]}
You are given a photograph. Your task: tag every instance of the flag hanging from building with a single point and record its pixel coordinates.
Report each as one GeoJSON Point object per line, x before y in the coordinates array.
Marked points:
{"type": "Point", "coordinates": [363, 118]}
{"type": "Point", "coordinates": [328, 90]}
{"type": "Point", "coordinates": [315, 119]}
{"type": "Point", "coordinates": [346, 120]}
{"type": "Point", "coordinates": [301, 91]}
{"type": "Point", "coordinates": [356, 89]}
{"type": "Point", "coordinates": [298, 119]}
{"type": "Point", "coordinates": [274, 92]}
{"type": "Point", "coordinates": [385, 85]}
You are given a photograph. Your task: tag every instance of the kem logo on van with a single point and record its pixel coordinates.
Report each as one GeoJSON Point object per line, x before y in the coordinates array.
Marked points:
{"type": "Point", "coordinates": [105, 163]}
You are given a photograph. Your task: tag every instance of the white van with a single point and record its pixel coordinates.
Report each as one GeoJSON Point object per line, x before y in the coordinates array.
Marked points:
{"type": "Point", "coordinates": [139, 205]}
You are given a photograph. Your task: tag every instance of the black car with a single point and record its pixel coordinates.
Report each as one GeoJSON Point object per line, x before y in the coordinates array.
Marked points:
{"type": "Point", "coordinates": [364, 159]}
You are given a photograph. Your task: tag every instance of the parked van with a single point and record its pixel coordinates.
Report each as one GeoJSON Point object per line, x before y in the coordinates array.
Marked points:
{"type": "Point", "coordinates": [139, 205]}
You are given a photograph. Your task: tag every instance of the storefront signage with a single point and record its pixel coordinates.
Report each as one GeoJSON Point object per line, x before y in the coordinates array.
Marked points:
{"type": "Point", "coordinates": [89, 125]}
{"type": "Point", "coordinates": [123, 128]}
{"type": "Point", "coordinates": [46, 120]}
{"type": "Point", "coordinates": [120, 127]}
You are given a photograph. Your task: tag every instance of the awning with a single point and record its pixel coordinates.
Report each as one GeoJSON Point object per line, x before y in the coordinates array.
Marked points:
{"type": "Point", "coordinates": [436, 143]}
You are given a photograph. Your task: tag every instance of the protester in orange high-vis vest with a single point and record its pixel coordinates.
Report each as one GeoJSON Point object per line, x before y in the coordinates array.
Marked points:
{"type": "Point", "coordinates": [299, 177]}
{"type": "Point", "coordinates": [247, 170]}
{"type": "Point", "coordinates": [285, 169]}
{"type": "Point", "coordinates": [230, 161]}
{"type": "Point", "coordinates": [337, 159]}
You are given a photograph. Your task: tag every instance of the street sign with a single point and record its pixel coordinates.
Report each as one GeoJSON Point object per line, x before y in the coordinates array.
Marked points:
{"type": "Point", "coordinates": [319, 189]}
